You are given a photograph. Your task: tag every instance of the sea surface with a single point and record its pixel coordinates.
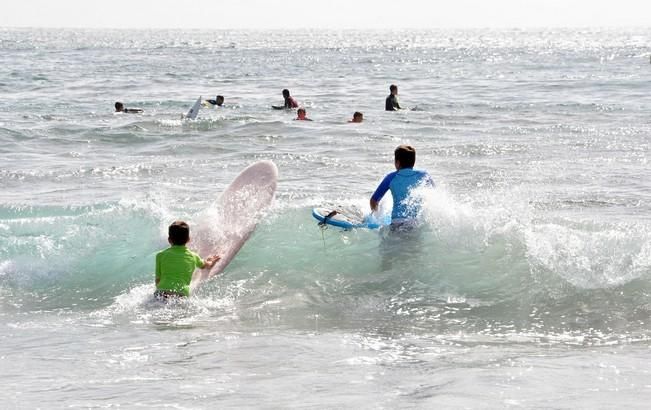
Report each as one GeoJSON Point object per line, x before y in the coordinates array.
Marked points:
{"type": "Point", "coordinates": [528, 284]}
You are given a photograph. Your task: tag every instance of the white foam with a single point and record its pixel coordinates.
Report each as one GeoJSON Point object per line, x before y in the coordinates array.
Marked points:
{"type": "Point", "coordinates": [591, 255]}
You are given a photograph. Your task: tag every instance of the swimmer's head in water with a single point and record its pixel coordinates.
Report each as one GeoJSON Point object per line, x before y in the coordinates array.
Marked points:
{"type": "Point", "coordinates": [405, 156]}
{"type": "Point", "coordinates": [119, 107]}
{"type": "Point", "coordinates": [219, 99]}
{"type": "Point", "coordinates": [393, 89]}
{"type": "Point", "coordinates": [285, 93]}
{"type": "Point", "coordinates": [301, 113]}
{"type": "Point", "coordinates": [358, 117]}
{"type": "Point", "coordinates": [178, 233]}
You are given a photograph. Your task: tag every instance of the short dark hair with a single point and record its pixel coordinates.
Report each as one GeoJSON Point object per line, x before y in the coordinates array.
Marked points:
{"type": "Point", "coordinates": [119, 106]}
{"type": "Point", "coordinates": [357, 114]}
{"type": "Point", "coordinates": [219, 97]}
{"type": "Point", "coordinates": [301, 110]}
{"type": "Point", "coordinates": [286, 92]}
{"type": "Point", "coordinates": [406, 154]}
{"type": "Point", "coordinates": [179, 233]}
{"type": "Point", "coordinates": [393, 87]}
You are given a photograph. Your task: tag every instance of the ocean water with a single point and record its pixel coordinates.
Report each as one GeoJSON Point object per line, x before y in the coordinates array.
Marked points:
{"type": "Point", "coordinates": [528, 285]}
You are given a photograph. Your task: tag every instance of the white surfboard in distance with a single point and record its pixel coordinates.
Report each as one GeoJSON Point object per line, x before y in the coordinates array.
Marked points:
{"type": "Point", "coordinates": [237, 212]}
{"type": "Point", "coordinates": [194, 111]}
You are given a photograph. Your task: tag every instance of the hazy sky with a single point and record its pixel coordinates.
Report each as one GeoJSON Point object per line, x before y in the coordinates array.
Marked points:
{"type": "Point", "coordinates": [290, 14]}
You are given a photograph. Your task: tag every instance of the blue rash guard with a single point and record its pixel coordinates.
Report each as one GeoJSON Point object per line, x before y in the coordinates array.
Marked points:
{"type": "Point", "coordinates": [401, 183]}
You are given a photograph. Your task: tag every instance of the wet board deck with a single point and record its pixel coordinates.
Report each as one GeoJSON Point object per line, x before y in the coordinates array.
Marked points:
{"type": "Point", "coordinates": [238, 210]}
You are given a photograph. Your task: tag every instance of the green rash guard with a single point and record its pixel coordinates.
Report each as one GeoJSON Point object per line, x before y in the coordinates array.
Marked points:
{"type": "Point", "coordinates": [174, 268]}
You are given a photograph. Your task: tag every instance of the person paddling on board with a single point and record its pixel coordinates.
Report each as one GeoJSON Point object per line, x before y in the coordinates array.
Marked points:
{"type": "Point", "coordinates": [301, 115]}
{"type": "Point", "coordinates": [290, 102]}
{"type": "Point", "coordinates": [218, 101]}
{"type": "Point", "coordinates": [119, 107]}
{"type": "Point", "coordinates": [401, 183]}
{"type": "Point", "coordinates": [175, 265]}
{"type": "Point", "coordinates": [392, 103]}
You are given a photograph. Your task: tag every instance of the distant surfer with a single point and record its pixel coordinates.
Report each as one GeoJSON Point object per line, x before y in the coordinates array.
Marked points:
{"type": "Point", "coordinates": [301, 115]}
{"type": "Point", "coordinates": [357, 117]}
{"type": "Point", "coordinates": [290, 102]}
{"type": "Point", "coordinates": [176, 264]}
{"type": "Point", "coordinates": [401, 183]}
{"type": "Point", "coordinates": [392, 103]}
{"type": "Point", "coordinates": [119, 107]}
{"type": "Point", "coordinates": [218, 101]}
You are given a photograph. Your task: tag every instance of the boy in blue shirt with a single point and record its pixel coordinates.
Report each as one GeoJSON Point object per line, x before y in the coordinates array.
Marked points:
{"type": "Point", "coordinates": [401, 183]}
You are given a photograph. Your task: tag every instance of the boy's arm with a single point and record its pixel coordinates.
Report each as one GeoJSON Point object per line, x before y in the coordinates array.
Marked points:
{"type": "Point", "coordinates": [209, 262]}
{"type": "Point", "coordinates": [380, 191]}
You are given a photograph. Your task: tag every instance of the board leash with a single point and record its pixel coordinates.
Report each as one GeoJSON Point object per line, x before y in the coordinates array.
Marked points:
{"type": "Point", "coordinates": [324, 225]}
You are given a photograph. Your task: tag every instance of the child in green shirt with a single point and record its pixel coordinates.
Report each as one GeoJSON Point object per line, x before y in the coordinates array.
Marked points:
{"type": "Point", "coordinates": [176, 264]}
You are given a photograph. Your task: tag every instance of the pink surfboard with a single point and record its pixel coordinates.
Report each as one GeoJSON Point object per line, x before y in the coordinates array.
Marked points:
{"type": "Point", "coordinates": [237, 212]}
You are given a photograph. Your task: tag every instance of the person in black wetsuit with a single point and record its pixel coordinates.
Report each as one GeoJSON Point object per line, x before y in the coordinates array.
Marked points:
{"type": "Point", "coordinates": [391, 103]}
{"type": "Point", "coordinates": [119, 107]}
{"type": "Point", "coordinates": [218, 101]}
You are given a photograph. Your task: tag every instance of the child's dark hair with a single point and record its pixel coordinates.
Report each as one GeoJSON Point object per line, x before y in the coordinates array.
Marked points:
{"type": "Point", "coordinates": [119, 106]}
{"type": "Point", "coordinates": [393, 87]}
{"type": "Point", "coordinates": [357, 114]}
{"type": "Point", "coordinates": [179, 233]}
{"type": "Point", "coordinates": [285, 92]}
{"type": "Point", "coordinates": [406, 154]}
{"type": "Point", "coordinates": [301, 110]}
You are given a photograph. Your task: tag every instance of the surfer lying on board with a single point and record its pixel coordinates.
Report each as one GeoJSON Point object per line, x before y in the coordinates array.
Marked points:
{"type": "Point", "coordinates": [301, 115]}
{"type": "Point", "coordinates": [218, 101]}
{"type": "Point", "coordinates": [175, 265]}
{"type": "Point", "coordinates": [290, 102]}
{"type": "Point", "coordinates": [401, 183]}
{"type": "Point", "coordinates": [119, 107]}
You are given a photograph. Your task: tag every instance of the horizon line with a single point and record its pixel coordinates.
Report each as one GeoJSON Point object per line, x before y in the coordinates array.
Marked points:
{"type": "Point", "coordinates": [522, 28]}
